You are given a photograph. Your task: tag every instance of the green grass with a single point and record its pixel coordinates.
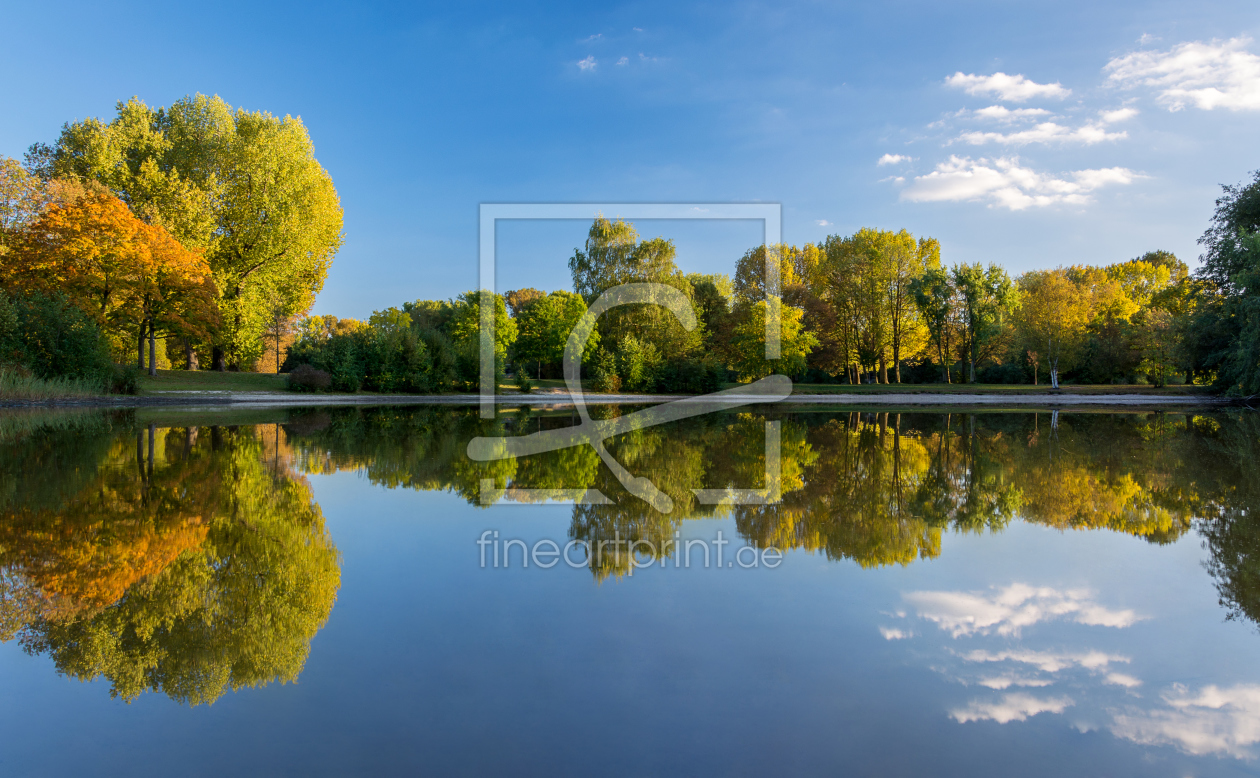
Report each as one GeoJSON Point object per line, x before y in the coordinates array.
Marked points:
{"type": "Point", "coordinates": [16, 387]}
{"type": "Point", "coordinates": [210, 381]}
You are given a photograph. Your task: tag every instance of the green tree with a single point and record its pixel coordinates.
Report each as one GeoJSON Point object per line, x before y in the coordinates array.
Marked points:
{"type": "Point", "coordinates": [243, 186]}
{"type": "Point", "coordinates": [1224, 333]}
{"type": "Point", "coordinates": [613, 256]}
{"type": "Point", "coordinates": [987, 297]}
{"type": "Point", "coordinates": [543, 329]}
{"type": "Point", "coordinates": [748, 345]}
{"type": "Point", "coordinates": [465, 335]}
{"type": "Point", "coordinates": [937, 299]}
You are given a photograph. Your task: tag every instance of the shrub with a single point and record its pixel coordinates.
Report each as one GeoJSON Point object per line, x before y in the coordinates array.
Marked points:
{"type": "Point", "coordinates": [124, 379]}
{"type": "Point", "coordinates": [522, 380]}
{"type": "Point", "coordinates": [306, 378]}
{"type": "Point", "coordinates": [604, 373]}
{"type": "Point", "coordinates": [692, 376]}
{"type": "Point", "coordinates": [639, 364]}
{"type": "Point", "coordinates": [52, 338]}
{"type": "Point", "coordinates": [1009, 373]}
{"type": "Point", "coordinates": [385, 359]}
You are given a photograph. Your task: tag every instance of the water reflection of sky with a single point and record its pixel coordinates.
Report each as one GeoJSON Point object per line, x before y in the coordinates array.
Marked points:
{"type": "Point", "coordinates": [1029, 650]}
{"type": "Point", "coordinates": [1106, 649]}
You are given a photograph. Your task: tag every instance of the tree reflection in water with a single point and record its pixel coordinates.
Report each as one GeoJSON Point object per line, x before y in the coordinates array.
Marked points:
{"type": "Point", "coordinates": [876, 488]}
{"type": "Point", "coordinates": [193, 559]}
{"type": "Point", "coordinates": [182, 560]}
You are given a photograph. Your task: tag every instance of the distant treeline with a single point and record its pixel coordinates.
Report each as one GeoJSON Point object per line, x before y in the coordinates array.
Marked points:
{"type": "Point", "coordinates": [875, 306]}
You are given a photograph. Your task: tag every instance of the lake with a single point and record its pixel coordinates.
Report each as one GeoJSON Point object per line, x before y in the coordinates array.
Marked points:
{"type": "Point", "coordinates": [339, 591]}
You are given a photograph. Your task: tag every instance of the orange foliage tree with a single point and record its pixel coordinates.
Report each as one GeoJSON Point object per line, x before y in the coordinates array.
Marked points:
{"type": "Point", "coordinates": [133, 277]}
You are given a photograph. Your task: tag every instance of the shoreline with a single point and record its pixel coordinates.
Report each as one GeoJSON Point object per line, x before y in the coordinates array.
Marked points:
{"type": "Point", "coordinates": [281, 399]}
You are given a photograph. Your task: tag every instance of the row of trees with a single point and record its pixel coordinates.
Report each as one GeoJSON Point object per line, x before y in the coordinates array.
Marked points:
{"type": "Point", "coordinates": [198, 224]}
{"type": "Point", "coordinates": [875, 306]}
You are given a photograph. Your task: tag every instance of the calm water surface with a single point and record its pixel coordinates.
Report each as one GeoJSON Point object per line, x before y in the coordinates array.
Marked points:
{"type": "Point", "coordinates": [301, 592]}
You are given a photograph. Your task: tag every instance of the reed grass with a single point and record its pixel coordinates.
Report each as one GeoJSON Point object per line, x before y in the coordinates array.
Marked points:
{"type": "Point", "coordinates": [16, 385]}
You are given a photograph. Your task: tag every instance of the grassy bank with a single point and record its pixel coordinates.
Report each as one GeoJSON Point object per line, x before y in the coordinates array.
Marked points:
{"type": "Point", "coordinates": [210, 381]}
{"type": "Point", "coordinates": [16, 387]}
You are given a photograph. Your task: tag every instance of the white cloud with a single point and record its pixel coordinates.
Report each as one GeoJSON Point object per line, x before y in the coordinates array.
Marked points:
{"type": "Point", "coordinates": [1118, 115]}
{"type": "Point", "coordinates": [892, 633]}
{"type": "Point", "coordinates": [623, 61]}
{"type": "Point", "coordinates": [823, 223]}
{"type": "Point", "coordinates": [1008, 610]}
{"type": "Point", "coordinates": [1002, 182]}
{"type": "Point", "coordinates": [1216, 74]}
{"type": "Point", "coordinates": [1120, 679]}
{"type": "Point", "coordinates": [1215, 721]}
{"type": "Point", "coordinates": [1015, 88]}
{"type": "Point", "coordinates": [1048, 661]}
{"type": "Point", "coordinates": [586, 64]}
{"type": "Point", "coordinates": [892, 159]}
{"type": "Point", "coordinates": [593, 38]}
{"type": "Point", "coordinates": [1012, 707]}
{"type": "Point", "coordinates": [1006, 681]}
{"type": "Point", "coordinates": [1001, 113]}
{"type": "Point", "coordinates": [1046, 132]}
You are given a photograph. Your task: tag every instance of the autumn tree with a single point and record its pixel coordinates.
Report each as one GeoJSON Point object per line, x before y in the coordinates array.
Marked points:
{"type": "Point", "coordinates": [243, 187]}
{"type": "Point", "coordinates": [906, 259]}
{"type": "Point", "coordinates": [1053, 313]}
{"type": "Point", "coordinates": [751, 283]}
{"type": "Point", "coordinates": [134, 278]}
{"type": "Point", "coordinates": [748, 346]}
{"type": "Point", "coordinates": [519, 299]}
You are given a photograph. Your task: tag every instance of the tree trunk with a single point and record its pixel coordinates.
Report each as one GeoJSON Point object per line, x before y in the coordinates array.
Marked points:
{"type": "Point", "coordinates": [190, 354]}
{"type": "Point", "coordinates": [897, 362]}
{"type": "Point", "coordinates": [152, 353]}
{"type": "Point", "coordinates": [218, 360]}
{"type": "Point", "coordinates": [883, 370]}
{"type": "Point", "coordinates": [140, 348]}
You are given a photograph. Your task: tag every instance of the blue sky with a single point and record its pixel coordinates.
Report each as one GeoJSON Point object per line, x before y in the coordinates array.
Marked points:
{"type": "Point", "coordinates": [1107, 136]}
